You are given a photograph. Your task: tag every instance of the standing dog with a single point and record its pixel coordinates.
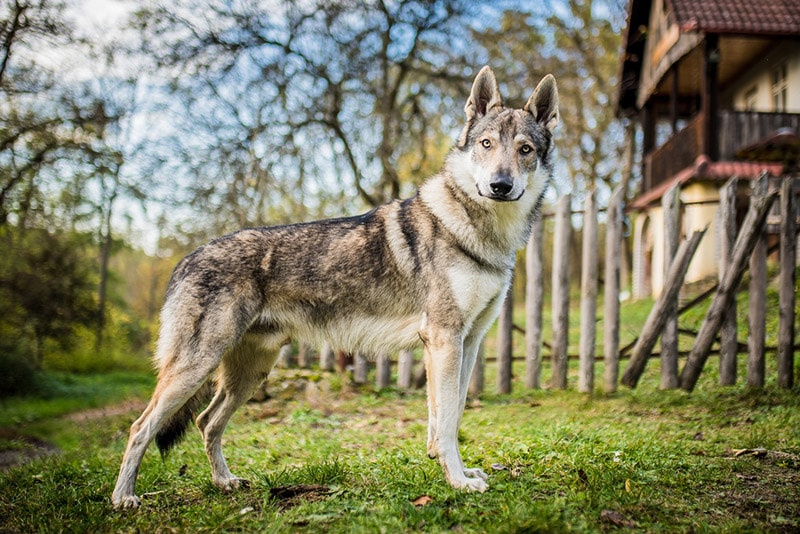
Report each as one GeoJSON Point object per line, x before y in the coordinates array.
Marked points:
{"type": "Point", "coordinates": [435, 268]}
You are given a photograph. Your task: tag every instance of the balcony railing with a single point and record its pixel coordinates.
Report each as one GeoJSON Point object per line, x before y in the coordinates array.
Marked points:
{"type": "Point", "coordinates": [737, 129]}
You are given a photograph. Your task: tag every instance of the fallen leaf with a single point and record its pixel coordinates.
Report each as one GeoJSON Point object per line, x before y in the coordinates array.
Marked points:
{"type": "Point", "coordinates": [627, 485]}
{"type": "Point", "coordinates": [616, 518]}
{"type": "Point", "coordinates": [422, 500]}
{"type": "Point", "coordinates": [758, 453]}
{"type": "Point", "coordinates": [499, 467]}
{"type": "Point", "coordinates": [699, 437]}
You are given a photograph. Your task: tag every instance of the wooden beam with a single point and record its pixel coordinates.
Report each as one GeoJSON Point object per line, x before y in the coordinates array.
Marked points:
{"type": "Point", "coordinates": [727, 238]}
{"type": "Point", "coordinates": [505, 327]}
{"type": "Point", "coordinates": [611, 291]}
{"type": "Point", "coordinates": [588, 295]}
{"type": "Point", "coordinates": [534, 299]}
{"type": "Point", "coordinates": [655, 321]}
{"type": "Point", "coordinates": [752, 227]}
{"type": "Point", "coordinates": [786, 293]}
{"type": "Point", "coordinates": [671, 206]}
{"type": "Point", "coordinates": [560, 289]}
{"type": "Point", "coordinates": [711, 58]}
{"type": "Point", "coordinates": [757, 306]}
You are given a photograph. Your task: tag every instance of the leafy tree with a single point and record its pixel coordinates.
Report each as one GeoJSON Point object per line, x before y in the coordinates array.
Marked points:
{"type": "Point", "coordinates": [306, 104]}
{"type": "Point", "coordinates": [579, 41]}
{"type": "Point", "coordinates": [46, 287]}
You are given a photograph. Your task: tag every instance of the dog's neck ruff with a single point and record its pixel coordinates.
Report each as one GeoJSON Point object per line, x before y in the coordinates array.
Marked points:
{"type": "Point", "coordinates": [487, 229]}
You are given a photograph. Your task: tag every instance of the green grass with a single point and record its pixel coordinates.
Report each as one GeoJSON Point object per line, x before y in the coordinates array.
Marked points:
{"type": "Point", "coordinates": [642, 460]}
{"type": "Point", "coordinates": [64, 393]}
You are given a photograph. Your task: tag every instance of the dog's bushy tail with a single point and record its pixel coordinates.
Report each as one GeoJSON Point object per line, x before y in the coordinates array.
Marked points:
{"type": "Point", "coordinates": [174, 429]}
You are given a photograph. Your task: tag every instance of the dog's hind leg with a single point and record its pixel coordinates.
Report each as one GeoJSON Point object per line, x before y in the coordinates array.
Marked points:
{"type": "Point", "coordinates": [241, 371]}
{"type": "Point", "coordinates": [178, 381]}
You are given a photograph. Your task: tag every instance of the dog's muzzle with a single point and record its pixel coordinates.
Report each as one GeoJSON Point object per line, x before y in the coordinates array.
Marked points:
{"type": "Point", "coordinates": [501, 187]}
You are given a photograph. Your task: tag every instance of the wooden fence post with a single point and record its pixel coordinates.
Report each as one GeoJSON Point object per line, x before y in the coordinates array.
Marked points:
{"type": "Point", "coordinates": [588, 295]}
{"type": "Point", "coordinates": [305, 355]}
{"type": "Point", "coordinates": [561, 292]}
{"type": "Point", "coordinates": [757, 308]}
{"type": "Point", "coordinates": [655, 321]}
{"type": "Point", "coordinates": [534, 300]}
{"type": "Point", "coordinates": [286, 356]}
{"type": "Point", "coordinates": [671, 206]}
{"type": "Point", "coordinates": [326, 358]}
{"type": "Point", "coordinates": [476, 380]}
{"type": "Point", "coordinates": [360, 369]}
{"type": "Point", "coordinates": [611, 291]}
{"type": "Point", "coordinates": [728, 345]}
{"type": "Point", "coordinates": [405, 369]}
{"type": "Point", "coordinates": [505, 328]}
{"type": "Point", "coordinates": [751, 229]}
{"type": "Point", "coordinates": [383, 374]}
{"type": "Point", "coordinates": [786, 293]}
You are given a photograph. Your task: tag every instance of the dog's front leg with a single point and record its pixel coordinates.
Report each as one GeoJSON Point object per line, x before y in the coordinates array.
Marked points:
{"type": "Point", "coordinates": [443, 361]}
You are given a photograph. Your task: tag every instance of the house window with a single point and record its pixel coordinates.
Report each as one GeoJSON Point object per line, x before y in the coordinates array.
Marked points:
{"type": "Point", "coordinates": [779, 88]}
{"type": "Point", "coordinates": [751, 99]}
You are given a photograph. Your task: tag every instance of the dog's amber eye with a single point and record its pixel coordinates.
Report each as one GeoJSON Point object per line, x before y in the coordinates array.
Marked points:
{"type": "Point", "coordinates": [486, 143]}
{"type": "Point", "coordinates": [525, 149]}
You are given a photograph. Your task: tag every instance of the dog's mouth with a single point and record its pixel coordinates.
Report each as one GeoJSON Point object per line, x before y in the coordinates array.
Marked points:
{"type": "Point", "coordinates": [500, 197]}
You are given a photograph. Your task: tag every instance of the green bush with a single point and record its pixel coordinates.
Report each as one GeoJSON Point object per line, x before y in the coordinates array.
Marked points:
{"type": "Point", "coordinates": [18, 373]}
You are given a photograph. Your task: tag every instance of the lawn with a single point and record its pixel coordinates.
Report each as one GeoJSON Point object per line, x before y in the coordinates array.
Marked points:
{"type": "Point", "coordinates": [325, 456]}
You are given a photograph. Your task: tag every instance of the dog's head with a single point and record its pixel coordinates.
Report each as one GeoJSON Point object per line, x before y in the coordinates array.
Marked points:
{"type": "Point", "coordinates": [508, 151]}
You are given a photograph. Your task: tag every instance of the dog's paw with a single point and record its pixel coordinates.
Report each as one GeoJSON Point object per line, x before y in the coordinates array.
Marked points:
{"type": "Point", "coordinates": [475, 484]}
{"type": "Point", "coordinates": [232, 484]}
{"type": "Point", "coordinates": [476, 473]}
{"type": "Point", "coordinates": [126, 502]}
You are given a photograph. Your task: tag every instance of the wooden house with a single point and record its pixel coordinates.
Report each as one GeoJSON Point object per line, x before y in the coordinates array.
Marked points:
{"type": "Point", "coordinates": [714, 86]}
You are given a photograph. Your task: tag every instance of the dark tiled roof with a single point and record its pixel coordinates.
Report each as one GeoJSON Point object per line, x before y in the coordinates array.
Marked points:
{"type": "Point", "coordinates": [776, 17]}
{"type": "Point", "coordinates": [705, 169]}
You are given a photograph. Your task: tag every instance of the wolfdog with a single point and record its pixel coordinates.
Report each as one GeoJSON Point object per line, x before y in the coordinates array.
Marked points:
{"type": "Point", "coordinates": [434, 268]}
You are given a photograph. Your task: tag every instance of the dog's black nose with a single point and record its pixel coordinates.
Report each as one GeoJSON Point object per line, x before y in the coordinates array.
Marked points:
{"type": "Point", "coordinates": [501, 184]}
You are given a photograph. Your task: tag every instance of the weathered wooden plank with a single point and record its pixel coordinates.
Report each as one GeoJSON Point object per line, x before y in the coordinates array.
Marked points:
{"type": "Point", "coordinates": [751, 229]}
{"type": "Point", "coordinates": [728, 346]}
{"type": "Point", "coordinates": [305, 355]}
{"type": "Point", "coordinates": [588, 295]}
{"type": "Point", "coordinates": [670, 203]}
{"type": "Point", "coordinates": [534, 302]}
{"type": "Point", "coordinates": [360, 369]}
{"type": "Point", "coordinates": [327, 358]}
{"type": "Point", "coordinates": [286, 356]}
{"type": "Point", "coordinates": [786, 292]}
{"type": "Point", "coordinates": [383, 371]}
{"type": "Point", "coordinates": [476, 381]}
{"type": "Point", "coordinates": [505, 328]}
{"type": "Point", "coordinates": [611, 292]}
{"type": "Point", "coordinates": [757, 306]}
{"type": "Point", "coordinates": [655, 320]}
{"type": "Point", "coordinates": [405, 368]}
{"type": "Point", "coordinates": [560, 304]}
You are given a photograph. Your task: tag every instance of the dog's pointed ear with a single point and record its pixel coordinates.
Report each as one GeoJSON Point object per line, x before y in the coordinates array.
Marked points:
{"type": "Point", "coordinates": [484, 98]}
{"type": "Point", "coordinates": [543, 103]}
{"type": "Point", "coordinates": [485, 95]}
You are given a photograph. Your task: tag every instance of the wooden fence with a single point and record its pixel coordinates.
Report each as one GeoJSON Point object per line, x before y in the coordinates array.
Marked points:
{"type": "Point", "coordinates": [740, 250]}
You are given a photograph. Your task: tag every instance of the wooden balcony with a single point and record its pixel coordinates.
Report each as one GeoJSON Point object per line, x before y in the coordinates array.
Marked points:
{"type": "Point", "coordinates": [737, 130]}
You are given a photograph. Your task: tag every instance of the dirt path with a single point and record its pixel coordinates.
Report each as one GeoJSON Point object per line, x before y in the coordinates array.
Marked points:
{"type": "Point", "coordinates": [16, 448]}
